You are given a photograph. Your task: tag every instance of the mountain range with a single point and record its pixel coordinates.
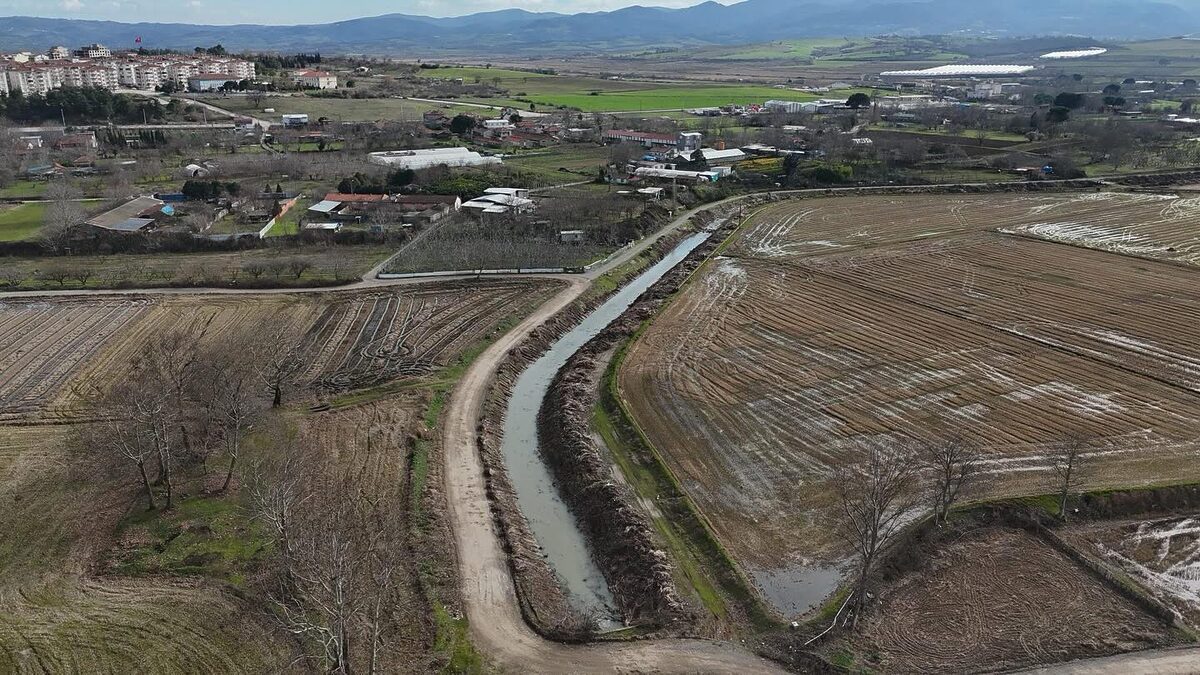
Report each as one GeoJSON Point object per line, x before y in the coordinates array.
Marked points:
{"type": "Point", "coordinates": [520, 31]}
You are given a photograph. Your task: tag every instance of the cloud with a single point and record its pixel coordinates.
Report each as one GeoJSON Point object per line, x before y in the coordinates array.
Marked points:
{"type": "Point", "coordinates": [71, 5]}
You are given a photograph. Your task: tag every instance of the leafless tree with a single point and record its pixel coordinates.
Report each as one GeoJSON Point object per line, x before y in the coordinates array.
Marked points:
{"type": "Point", "coordinates": [12, 277]}
{"type": "Point", "coordinates": [1067, 469]}
{"type": "Point", "coordinates": [876, 495]}
{"type": "Point", "coordinates": [278, 368]}
{"type": "Point", "coordinates": [83, 274]}
{"type": "Point", "coordinates": [952, 464]}
{"type": "Point", "coordinates": [231, 375]}
{"type": "Point", "coordinates": [56, 273]}
{"type": "Point", "coordinates": [63, 214]}
{"type": "Point", "coordinates": [168, 366]}
{"type": "Point", "coordinates": [298, 266]}
{"type": "Point", "coordinates": [137, 429]}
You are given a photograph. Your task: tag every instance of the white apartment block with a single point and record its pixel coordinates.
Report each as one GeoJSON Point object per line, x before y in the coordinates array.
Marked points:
{"type": "Point", "coordinates": [38, 76]}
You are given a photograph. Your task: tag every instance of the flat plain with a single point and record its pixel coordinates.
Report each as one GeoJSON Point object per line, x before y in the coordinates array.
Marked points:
{"type": "Point", "coordinates": [833, 324]}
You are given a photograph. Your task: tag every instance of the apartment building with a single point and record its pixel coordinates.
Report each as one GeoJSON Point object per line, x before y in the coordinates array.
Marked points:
{"type": "Point", "coordinates": [130, 70]}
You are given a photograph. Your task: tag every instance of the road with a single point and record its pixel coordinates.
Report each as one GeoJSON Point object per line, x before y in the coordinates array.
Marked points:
{"type": "Point", "coordinates": [1183, 661]}
{"type": "Point", "coordinates": [488, 592]}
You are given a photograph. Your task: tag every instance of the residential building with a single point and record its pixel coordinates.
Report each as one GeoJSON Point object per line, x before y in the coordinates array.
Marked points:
{"type": "Point", "coordinates": [94, 51]}
{"type": "Point", "coordinates": [315, 79]}
{"type": "Point", "coordinates": [59, 53]}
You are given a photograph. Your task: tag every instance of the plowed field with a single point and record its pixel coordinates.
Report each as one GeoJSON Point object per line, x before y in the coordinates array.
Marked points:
{"type": "Point", "coordinates": [57, 355]}
{"type": "Point", "coordinates": [836, 323]}
{"type": "Point", "coordinates": [42, 343]}
{"type": "Point", "coordinates": [998, 600]}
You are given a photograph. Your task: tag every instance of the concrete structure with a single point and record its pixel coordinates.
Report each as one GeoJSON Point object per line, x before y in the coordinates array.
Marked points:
{"type": "Point", "coordinates": [59, 53]}
{"type": "Point", "coordinates": [424, 159]}
{"type": "Point", "coordinates": [315, 79]}
{"type": "Point", "coordinates": [207, 82]}
{"type": "Point", "coordinates": [294, 120]}
{"type": "Point", "coordinates": [689, 142]}
{"type": "Point", "coordinates": [94, 51]}
{"type": "Point", "coordinates": [133, 71]}
{"type": "Point", "coordinates": [650, 173]}
{"type": "Point", "coordinates": [572, 236]}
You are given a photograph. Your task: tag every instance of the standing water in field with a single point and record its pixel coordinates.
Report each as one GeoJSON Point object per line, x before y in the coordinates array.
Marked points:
{"type": "Point", "coordinates": [549, 518]}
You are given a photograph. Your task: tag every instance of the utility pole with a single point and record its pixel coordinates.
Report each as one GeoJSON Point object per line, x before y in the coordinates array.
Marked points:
{"type": "Point", "coordinates": [63, 112]}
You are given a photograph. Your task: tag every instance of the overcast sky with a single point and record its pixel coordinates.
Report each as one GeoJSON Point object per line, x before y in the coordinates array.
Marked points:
{"type": "Point", "coordinates": [295, 11]}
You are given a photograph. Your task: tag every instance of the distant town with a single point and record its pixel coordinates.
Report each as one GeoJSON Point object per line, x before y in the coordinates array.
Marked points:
{"type": "Point", "coordinates": [97, 66]}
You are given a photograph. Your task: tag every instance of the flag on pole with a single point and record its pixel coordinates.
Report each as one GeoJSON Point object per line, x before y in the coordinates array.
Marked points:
{"type": "Point", "coordinates": [138, 41]}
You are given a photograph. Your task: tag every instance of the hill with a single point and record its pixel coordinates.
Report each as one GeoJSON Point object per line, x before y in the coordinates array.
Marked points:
{"type": "Point", "coordinates": [519, 31]}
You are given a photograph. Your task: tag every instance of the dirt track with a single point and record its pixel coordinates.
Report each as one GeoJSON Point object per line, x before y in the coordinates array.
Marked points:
{"type": "Point", "coordinates": [488, 593]}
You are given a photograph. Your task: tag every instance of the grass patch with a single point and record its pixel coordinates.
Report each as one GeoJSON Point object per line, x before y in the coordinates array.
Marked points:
{"type": "Point", "coordinates": [21, 222]}
{"type": "Point", "coordinates": [207, 536]}
{"type": "Point", "coordinates": [454, 643]}
{"type": "Point", "coordinates": [25, 189]}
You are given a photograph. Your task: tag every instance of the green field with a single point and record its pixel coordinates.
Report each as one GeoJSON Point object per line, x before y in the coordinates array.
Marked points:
{"type": "Point", "coordinates": [670, 98]}
{"type": "Point", "coordinates": [337, 109]}
{"type": "Point", "coordinates": [24, 189]}
{"type": "Point", "coordinates": [21, 222]}
{"type": "Point", "coordinates": [580, 162]}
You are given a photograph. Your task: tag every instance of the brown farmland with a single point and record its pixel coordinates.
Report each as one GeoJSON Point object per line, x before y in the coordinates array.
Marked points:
{"type": "Point", "coordinates": [836, 323]}
{"type": "Point", "coordinates": [983, 604]}
{"type": "Point", "coordinates": [62, 609]}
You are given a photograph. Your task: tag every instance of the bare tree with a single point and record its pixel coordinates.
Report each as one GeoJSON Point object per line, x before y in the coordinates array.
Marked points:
{"type": "Point", "coordinates": [168, 366]}
{"type": "Point", "coordinates": [232, 371]}
{"type": "Point", "coordinates": [298, 266]}
{"type": "Point", "coordinates": [277, 371]}
{"type": "Point", "coordinates": [83, 274]}
{"type": "Point", "coordinates": [137, 429]}
{"type": "Point", "coordinates": [12, 277]}
{"type": "Point", "coordinates": [63, 214]}
{"type": "Point", "coordinates": [1067, 468]}
{"type": "Point", "coordinates": [952, 464]}
{"type": "Point", "coordinates": [56, 273]}
{"type": "Point", "coordinates": [876, 495]}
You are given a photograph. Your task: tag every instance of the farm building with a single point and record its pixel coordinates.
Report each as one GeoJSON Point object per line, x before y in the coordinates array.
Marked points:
{"type": "Point", "coordinates": [651, 173]}
{"type": "Point", "coordinates": [424, 159]}
{"type": "Point", "coordinates": [645, 138]}
{"type": "Point", "coordinates": [499, 203]}
{"type": "Point", "coordinates": [722, 157]}
{"type": "Point", "coordinates": [137, 215]}
{"type": "Point", "coordinates": [315, 79]}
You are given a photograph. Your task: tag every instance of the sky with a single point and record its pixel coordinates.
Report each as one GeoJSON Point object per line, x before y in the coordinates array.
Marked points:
{"type": "Point", "coordinates": [295, 11]}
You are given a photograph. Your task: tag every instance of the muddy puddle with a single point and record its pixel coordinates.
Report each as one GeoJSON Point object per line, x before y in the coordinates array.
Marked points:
{"type": "Point", "coordinates": [551, 522]}
{"type": "Point", "coordinates": [795, 590]}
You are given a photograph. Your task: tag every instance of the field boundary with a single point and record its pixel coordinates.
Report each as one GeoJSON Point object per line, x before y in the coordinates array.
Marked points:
{"type": "Point", "coordinates": [693, 530]}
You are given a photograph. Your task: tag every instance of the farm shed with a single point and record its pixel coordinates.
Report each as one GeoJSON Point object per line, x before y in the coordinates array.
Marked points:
{"type": "Point", "coordinates": [133, 216]}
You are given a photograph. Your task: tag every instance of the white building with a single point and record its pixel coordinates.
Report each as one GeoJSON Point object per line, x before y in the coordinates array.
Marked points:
{"type": "Point", "coordinates": [315, 79]}
{"type": "Point", "coordinates": [94, 51]}
{"type": "Point", "coordinates": [424, 159]}
{"type": "Point", "coordinates": [59, 53]}
{"type": "Point", "coordinates": [495, 203]}
{"type": "Point", "coordinates": [207, 82]}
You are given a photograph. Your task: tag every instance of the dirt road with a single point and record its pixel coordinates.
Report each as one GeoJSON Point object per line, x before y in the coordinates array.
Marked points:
{"type": "Point", "coordinates": [488, 592]}
{"type": "Point", "coordinates": [1185, 661]}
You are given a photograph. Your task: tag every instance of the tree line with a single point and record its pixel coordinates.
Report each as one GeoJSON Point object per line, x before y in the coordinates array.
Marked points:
{"type": "Point", "coordinates": [80, 105]}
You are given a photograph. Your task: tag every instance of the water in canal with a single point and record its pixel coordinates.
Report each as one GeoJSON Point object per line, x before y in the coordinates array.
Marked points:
{"type": "Point", "coordinates": [552, 523]}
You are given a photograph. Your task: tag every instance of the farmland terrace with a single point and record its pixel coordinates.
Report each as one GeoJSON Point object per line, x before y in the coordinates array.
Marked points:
{"type": "Point", "coordinates": [832, 324]}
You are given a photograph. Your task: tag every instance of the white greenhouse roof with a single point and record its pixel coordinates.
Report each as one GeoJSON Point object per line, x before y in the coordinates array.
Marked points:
{"type": "Point", "coordinates": [962, 71]}
{"type": "Point", "coordinates": [324, 206]}
{"type": "Point", "coordinates": [1076, 54]}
